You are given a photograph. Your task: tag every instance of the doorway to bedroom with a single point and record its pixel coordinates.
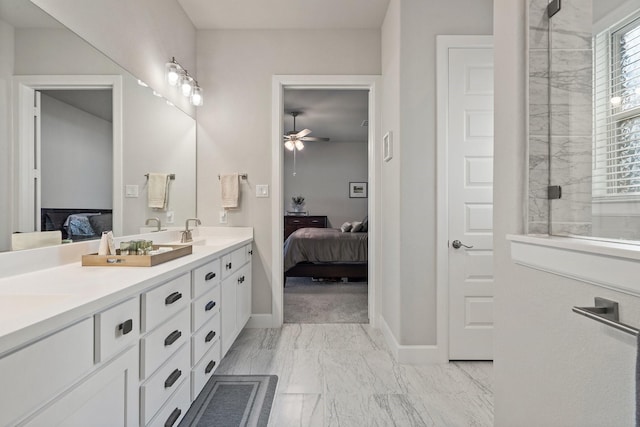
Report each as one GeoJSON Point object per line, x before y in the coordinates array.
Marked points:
{"type": "Point", "coordinates": [325, 171]}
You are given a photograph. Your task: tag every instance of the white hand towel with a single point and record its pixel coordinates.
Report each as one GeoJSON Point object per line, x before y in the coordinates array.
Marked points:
{"type": "Point", "coordinates": [158, 190]}
{"type": "Point", "coordinates": [230, 190]}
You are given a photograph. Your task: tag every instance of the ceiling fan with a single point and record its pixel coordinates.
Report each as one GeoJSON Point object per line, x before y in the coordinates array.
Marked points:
{"type": "Point", "coordinates": [294, 140]}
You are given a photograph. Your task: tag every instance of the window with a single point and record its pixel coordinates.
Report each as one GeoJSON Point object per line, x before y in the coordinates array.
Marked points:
{"type": "Point", "coordinates": [616, 160]}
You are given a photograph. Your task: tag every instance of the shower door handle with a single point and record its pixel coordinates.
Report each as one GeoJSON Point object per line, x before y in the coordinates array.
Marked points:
{"type": "Point", "coordinates": [457, 244]}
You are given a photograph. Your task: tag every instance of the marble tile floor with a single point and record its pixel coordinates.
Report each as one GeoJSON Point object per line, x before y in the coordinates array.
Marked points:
{"type": "Point", "coordinates": [344, 375]}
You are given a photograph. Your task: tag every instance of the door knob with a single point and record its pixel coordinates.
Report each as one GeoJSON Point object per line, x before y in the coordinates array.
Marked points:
{"type": "Point", "coordinates": [457, 244]}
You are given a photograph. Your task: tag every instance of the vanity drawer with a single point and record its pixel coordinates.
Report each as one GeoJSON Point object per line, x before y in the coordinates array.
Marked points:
{"type": "Point", "coordinates": [156, 347]}
{"type": "Point", "coordinates": [164, 301]}
{"type": "Point", "coordinates": [116, 328]}
{"type": "Point", "coordinates": [174, 410]}
{"type": "Point", "coordinates": [202, 340]}
{"type": "Point", "coordinates": [53, 364]}
{"type": "Point", "coordinates": [233, 260]}
{"type": "Point", "coordinates": [204, 307]}
{"type": "Point", "coordinates": [163, 384]}
{"type": "Point", "coordinates": [202, 372]}
{"type": "Point", "coordinates": [205, 277]}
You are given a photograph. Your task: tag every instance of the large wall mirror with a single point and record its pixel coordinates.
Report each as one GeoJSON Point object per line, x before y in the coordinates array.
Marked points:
{"type": "Point", "coordinates": [98, 134]}
{"type": "Point", "coordinates": [584, 124]}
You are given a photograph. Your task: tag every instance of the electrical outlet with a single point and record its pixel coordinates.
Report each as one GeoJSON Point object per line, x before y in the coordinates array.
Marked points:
{"type": "Point", "coordinates": [130, 191]}
{"type": "Point", "coordinates": [170, 217]}
{"type": "Point", "coordinates": [223, 216]}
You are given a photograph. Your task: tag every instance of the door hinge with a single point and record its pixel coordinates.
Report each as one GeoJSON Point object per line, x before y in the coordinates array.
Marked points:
{"type": "Point", "coordinates": [554, 192]}
{"type": "Point", "coordinates": [553, 8]}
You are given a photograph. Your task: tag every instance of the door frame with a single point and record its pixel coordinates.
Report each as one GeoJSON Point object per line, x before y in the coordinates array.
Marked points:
{"type": "Point", "coordinates": [22, 177]}
{"type": "Point", "coordinates": [337, 82]}
{"type": "Point", "coordinates": [444, 43]}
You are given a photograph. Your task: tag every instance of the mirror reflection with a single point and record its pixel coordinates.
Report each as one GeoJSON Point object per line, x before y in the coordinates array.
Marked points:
{"type": "Point", "coordinates": [83, 165]}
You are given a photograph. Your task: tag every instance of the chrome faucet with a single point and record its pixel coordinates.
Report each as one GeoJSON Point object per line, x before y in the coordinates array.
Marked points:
{"type": "Point", "coordinates": [186, 234]}
{"type": "Point", "coordinates": [157, 220]}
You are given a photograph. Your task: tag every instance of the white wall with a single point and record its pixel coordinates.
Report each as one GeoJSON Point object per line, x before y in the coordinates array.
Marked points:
{"type": "Point", "coordinates": [6, 165]}
{"type": "Point", "coordinates": [234, 125]}
{"type": "Point", "coordinates": [578, 373]}
{"type": "Point", "coordinates": [420, 23]}
{"type": "Point", "coordinates": [75, 144]}
{"type": "Point", "coordinates": [323, 173]}
{"type": "Point", "coordinates": [141, 36]}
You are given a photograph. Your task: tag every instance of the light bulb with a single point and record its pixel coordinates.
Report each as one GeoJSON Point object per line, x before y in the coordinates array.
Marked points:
{"type": "Point", "coordinates": [299, 145]}
{"type": "Point", "coordinates": [186, 85]}
{"type": "Point", "coordinates": [196, 96]}
{"type": "Point", "coordinates": [173, 71]}
{"type": "Point", "coordinates": [289, 145]}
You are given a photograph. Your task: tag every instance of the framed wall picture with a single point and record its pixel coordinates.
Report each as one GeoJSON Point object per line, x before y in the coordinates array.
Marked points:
{"type": "Point", "coordinates": [387, 146]}
{"type": "Point", "coordinates": [357, 190]}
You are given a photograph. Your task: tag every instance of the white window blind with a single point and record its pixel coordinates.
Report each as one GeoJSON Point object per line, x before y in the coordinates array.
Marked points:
{"type": "Point", "coordinates": [616, 95]}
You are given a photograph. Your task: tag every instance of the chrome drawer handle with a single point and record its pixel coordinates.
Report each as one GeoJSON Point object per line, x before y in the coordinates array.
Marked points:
{"type": "Point", "coordinates": [209, 276]}
{"type": "Point", "coordinates": [172, 298]}
{"type": "Point", "coordinates": [211, 335]}
{"type": "Point", "coordinates": [171, 379]}
{"type": "Point", "coordinates": [209, 305]}
{"type": "Point", "coordinates": [173, 418]}
{"type": "Point", "coordinates": [173, 337]}
{"type": "Point", "coordinates": [126, 326]}
{"type": "Point", "coordinates": [210, 366]}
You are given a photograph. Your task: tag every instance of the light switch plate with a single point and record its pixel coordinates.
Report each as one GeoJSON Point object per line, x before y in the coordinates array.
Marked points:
{"type": "Point", "coordinates": [223, 216]}
{"type": "Point", "coordinates": [262, 190]}
{"type": "Point", "coordinates": [170, 217]}
{"type": "Point", "coordinates": [131, 191]}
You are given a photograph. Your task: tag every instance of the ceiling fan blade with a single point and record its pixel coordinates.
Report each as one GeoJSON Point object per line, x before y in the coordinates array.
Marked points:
{"type": "Point", "coordinates": [303, 133]}
{"type": "Point", "coordinates": [315, 138]}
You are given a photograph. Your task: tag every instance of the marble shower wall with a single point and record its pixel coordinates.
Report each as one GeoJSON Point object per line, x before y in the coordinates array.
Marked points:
{"type": "Point", "coordinates": [560, 101]}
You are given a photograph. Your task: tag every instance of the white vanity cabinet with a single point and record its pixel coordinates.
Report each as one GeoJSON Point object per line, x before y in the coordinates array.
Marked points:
{"type": "Point", "coordinates": [236, 294]}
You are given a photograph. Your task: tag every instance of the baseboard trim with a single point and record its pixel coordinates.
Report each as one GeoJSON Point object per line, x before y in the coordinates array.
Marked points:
{"type": "Point", "coordinates": [260, 321]}
{"type": "Point", "coordinates": [410, 354]}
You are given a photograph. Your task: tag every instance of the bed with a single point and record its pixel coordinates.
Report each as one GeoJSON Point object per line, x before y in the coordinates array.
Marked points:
{"type": "Point", "coordinates": [76, 224]}
{"type": "Point", "coordinates": [326, 253]}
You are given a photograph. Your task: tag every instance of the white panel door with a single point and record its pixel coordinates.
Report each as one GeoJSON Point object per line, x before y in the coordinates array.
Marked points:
{"type": "Point", "coordinates": [470, 194]}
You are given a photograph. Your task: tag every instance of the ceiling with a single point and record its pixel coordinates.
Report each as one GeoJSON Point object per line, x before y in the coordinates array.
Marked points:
{"type": "Point", "coordinates": [335, 114]}
{"type": "Point", "coordinates": [285, 14]}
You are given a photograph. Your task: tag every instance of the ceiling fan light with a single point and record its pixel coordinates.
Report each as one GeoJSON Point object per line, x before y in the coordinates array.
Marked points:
{"type": "Point", "coordinates": [289, 145]}
{"type": "Point", "coordinates": [299, 145]}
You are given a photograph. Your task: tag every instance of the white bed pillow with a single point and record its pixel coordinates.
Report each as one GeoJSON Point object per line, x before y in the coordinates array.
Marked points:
{"type": "Point", "coordinates": [346, 227]}
{"type": "Point", "coordinates": [356, 226]}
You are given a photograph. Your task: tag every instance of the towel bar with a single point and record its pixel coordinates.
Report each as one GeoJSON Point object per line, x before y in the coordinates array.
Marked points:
{"type": "Point", "coordinates": [171, 176]}
{"type": "Point", "coordinates": [606, 311]}
{"type": "Point", "coordinates": [240, 175]}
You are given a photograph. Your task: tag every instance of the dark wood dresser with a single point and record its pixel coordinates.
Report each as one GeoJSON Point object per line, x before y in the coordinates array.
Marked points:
{"type": "Point", "coordinates": [293, 222]}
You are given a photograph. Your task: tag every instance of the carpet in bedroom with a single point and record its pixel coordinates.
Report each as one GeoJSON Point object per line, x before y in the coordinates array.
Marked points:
{"type": "Point", "coordinates": [308, 301]}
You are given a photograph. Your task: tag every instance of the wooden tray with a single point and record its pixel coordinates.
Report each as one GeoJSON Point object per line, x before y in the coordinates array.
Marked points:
{"type": "Point", "coordinates": [96, 260]}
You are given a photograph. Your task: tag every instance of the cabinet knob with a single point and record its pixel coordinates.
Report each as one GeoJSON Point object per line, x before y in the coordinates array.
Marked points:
{"type": "Point", "coordinates": [172, 298]}
{"type": "Point", "coordinates": [210, 366]}
{"type": "Point", "coordinates": [171, 379]}
{"type": "Point", "coordinates": [173, 417]}
{"type": "Point", "coordinates": [211, 335]}
{"type": "Point", "coordinates": [209, 305]}
{"type": "Point", "coordinates": [209, 276]}
{"type": "Point", "coordinates": [126, 326]}
{"type": "Point", "coordinates": [172, 337]}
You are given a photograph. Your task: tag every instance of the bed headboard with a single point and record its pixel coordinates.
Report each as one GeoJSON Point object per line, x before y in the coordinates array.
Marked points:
{"type": "Point", "coordinates": [54, 218]}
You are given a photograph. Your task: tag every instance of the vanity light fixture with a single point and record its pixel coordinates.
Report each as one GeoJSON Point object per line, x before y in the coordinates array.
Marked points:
{"type": "Point", "coordinates": [177, 75]}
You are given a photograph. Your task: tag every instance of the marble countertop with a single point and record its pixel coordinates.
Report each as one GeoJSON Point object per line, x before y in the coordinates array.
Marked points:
{"type": "Point", "coordinates": [35, 303]}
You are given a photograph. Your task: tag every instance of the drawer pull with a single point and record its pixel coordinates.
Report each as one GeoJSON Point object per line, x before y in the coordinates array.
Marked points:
{"type": "Point", "coordinates": [296, 221]}
{"type": "Point", "coordinates": [209, 305]}
{"type": "Point", "coordinates": [173, 337]}
{"type": "Point", "coordinates": [241, 279]}
{"type": "Point", "coordinates": [251, 252]}
{"type": "Point", "coordinates": [171, 379]}
{"type": "Point", "coordinates": [173, 417]}
{"type": "Point", "coordinates": [211, 335]}
{"type": "Point", "coordinates": [126, 326]}
{"type": "Point", "coordinates": [210, 367]}
{"type": "Point", "coordinates": [172, 298]}
{"type": "Point", "coordinates": [228, 266]}
{"type": "Point", "coordinates": [315, 221]}
{"type": "Point", "coordinates": [209, 276]}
